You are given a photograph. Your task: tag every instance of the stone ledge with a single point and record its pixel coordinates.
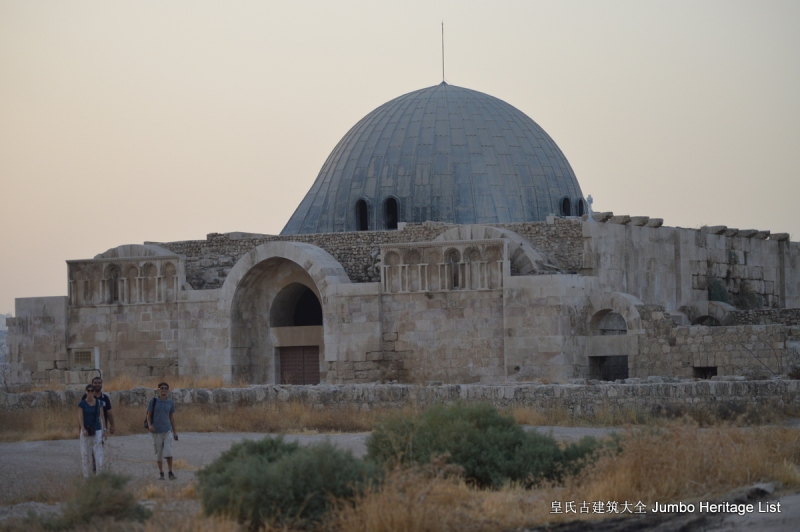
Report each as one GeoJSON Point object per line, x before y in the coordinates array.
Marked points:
{"type": "Point", "coordinates": [577, 398]}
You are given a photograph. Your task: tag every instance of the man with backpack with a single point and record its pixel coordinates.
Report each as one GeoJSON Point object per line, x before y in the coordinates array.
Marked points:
{"type": "Point", "coordinates": [161, 422]}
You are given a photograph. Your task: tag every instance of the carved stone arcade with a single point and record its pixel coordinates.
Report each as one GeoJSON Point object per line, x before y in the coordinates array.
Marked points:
{"type": "Point", "coordinates": [443, 266]}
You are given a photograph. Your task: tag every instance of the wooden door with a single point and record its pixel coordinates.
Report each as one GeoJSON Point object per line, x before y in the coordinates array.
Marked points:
{"type": "Point", "coordinates": [299, 365]}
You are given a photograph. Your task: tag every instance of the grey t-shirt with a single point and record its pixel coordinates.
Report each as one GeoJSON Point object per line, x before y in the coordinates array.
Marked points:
{"type": "Point", "coordinates": [161, 411]}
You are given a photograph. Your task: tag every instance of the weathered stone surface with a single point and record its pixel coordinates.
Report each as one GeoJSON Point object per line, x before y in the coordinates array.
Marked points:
{"type": "Point", "coordinates": [621, 219]}
{"type": "Point", "coordinates": [575, 398]}
{"type": "Point", "coordinates": [715, 229]}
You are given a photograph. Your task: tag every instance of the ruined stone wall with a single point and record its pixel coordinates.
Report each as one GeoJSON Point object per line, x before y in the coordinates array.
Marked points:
{"type": "Point", "coordinates": [674, 266]}
{"type": "Point", "coordinates": [560, 238]}
{"type": "Point", "coordinates": [784, 316]}
{"type": "Point", "coordinates": [749, 350]}
{"type": "Point", "coordinates": [209, 261]}
{"type": "Point", "coordinates": [576, 399]}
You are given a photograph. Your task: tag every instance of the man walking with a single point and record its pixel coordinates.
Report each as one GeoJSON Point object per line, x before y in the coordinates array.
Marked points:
{"type": "Point", "coordinates": [97, 382]}
{"type": "Point", "coordinates": [161, 419]}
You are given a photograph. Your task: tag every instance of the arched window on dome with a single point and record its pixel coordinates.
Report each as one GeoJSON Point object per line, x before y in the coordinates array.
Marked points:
{"type": "Point", "coordinates": [390, 210]}
{"type": "Point", "coordinates": [566, 207]}
{"type": "Point", "coordinates": [581, 207]}
{"type": "Point", "coordinates": [362, 215]}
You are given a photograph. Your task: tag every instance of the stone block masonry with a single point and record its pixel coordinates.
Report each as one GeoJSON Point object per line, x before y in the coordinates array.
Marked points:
{"type": "Point", "coordinates": [756, 351]}
{"type": "Point", "coordinates": [578, 399]}
{"type": "Point", "coordinates": [209, 261]}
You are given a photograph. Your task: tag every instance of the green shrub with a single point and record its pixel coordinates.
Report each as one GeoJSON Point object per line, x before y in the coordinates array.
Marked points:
{"type": "Point", "coordinates": [717, 291]}
{"type": "Point", "coordinates": [492, 448]}
{"type": "Point", "coordinates": [100, 497]}
{"type": "Point", "coordinates": [747, 298]}
{"type": "Point", "coordinates": [279, 483]}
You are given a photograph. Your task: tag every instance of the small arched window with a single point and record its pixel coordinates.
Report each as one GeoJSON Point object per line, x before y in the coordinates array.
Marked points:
{"type": "Point", "coordinates": [113, 284]}
{"type": "Point", "coordinates": [390, 210]}
{"type": "Point", "coordinates": [581, 207]}
{"type": "Point", "coordinates": [362, 216]}
{"type": "Point", "coordinates": [566, 208]}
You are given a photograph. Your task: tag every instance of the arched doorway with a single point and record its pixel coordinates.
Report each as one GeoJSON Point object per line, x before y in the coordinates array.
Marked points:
{"type": "Point", "coordinates": [296, 316]}
{"type": "Point", "coordinates": [250, 289]}
{"type": "Point", "coordinates": [277, 326]}
{"type": "Point", "coordinates": [611, 366]}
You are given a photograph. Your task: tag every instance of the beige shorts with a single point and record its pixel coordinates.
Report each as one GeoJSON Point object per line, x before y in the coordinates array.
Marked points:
{"type": "Point", "coordinates": [163, 445]}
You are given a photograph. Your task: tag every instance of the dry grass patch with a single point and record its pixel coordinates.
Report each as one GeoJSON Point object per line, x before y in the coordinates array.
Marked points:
{"type": "Point", "coordinates": [275, 418]}
{"type": "Point", "coordinates": [414, 500]}
{"type": "Point", "coordinates": [680, 461]}
{"type": "Point", "coordinates": [722, 413]}
{"type": "Point", "coordinates": [683, 461]}
{"type": "Point", "coordinates": [601, 417]}
{"type": "Point", "coordinates": [61, 423]}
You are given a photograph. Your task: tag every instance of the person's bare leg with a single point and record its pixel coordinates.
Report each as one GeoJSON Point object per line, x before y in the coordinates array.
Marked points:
{"type": "Point", "coordinates": [169, 463]}
{"type": "Point", "coordinates": [160, 466]}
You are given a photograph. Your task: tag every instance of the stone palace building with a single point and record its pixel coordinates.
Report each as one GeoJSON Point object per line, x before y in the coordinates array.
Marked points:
{"type": "Point", "coordinates": [446, 238]}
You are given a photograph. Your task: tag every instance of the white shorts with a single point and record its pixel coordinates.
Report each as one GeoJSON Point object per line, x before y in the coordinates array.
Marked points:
{"type": "Point", "coordinates": [163, 445]}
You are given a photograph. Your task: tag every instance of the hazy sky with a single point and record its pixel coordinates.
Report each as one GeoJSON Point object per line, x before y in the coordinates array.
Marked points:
{"type": "Point", "coordinates": [122, 122]}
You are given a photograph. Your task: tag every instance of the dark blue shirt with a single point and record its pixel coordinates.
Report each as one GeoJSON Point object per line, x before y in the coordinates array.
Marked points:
{"type": "Point", "coordinates": [161, 411]}
{"type": "Point", "coordinates": [91, 414]}
{"type": "Point", "coordinates": [106, 400]}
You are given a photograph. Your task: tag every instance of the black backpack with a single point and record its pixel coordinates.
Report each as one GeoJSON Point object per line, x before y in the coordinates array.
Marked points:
{"type": "Point", "coordinates": [146, 424]}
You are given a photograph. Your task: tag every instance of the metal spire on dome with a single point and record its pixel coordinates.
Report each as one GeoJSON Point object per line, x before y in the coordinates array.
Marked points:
{"type": "Point", "coordinates": [443, 51]}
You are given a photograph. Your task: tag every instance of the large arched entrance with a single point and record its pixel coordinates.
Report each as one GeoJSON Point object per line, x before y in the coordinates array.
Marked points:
{"type": "Point", "coordinates": [276, 294]}
{"type": "Point", "coordinates": [276, 327]}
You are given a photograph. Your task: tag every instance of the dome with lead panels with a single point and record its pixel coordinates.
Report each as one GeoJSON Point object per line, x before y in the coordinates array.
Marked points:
{"type": "Point", "coordinates": [443, 153]}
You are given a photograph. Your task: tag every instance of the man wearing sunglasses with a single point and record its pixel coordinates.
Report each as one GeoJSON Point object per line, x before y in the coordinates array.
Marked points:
{"type": "Point", "coordinates": [161, 419]}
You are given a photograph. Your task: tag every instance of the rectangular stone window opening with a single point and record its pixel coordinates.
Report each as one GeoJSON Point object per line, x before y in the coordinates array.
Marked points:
{"type": "Point", "coordinates": [704, 372]}
{"type": "Point", "coordinates": [608, 368]}
{"type": "Point", "coordinates": [82, 359]}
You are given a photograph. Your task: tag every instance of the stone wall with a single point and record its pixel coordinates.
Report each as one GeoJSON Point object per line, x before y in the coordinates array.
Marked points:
{"type": "Point", "coordinates": [674, 266]}
{"type": "Point", "coordinates": [784, 316]}
{"type": "Point", "coordinates": [577, 399]}
{"type": "Point", "coordinates": [37, 339]}
{"type": "Point", "coordinates": [209, 261]}
{"type": "Point", "coordinates": [749, 350]}
{"type": "Point", "coordinates": [142, 340]}
{"type": "Point", "coordinates": [560, 238]}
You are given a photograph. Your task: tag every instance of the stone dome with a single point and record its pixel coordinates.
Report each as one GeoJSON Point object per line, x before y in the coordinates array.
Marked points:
{"type": "Point", "coordinates": [443, 153]}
